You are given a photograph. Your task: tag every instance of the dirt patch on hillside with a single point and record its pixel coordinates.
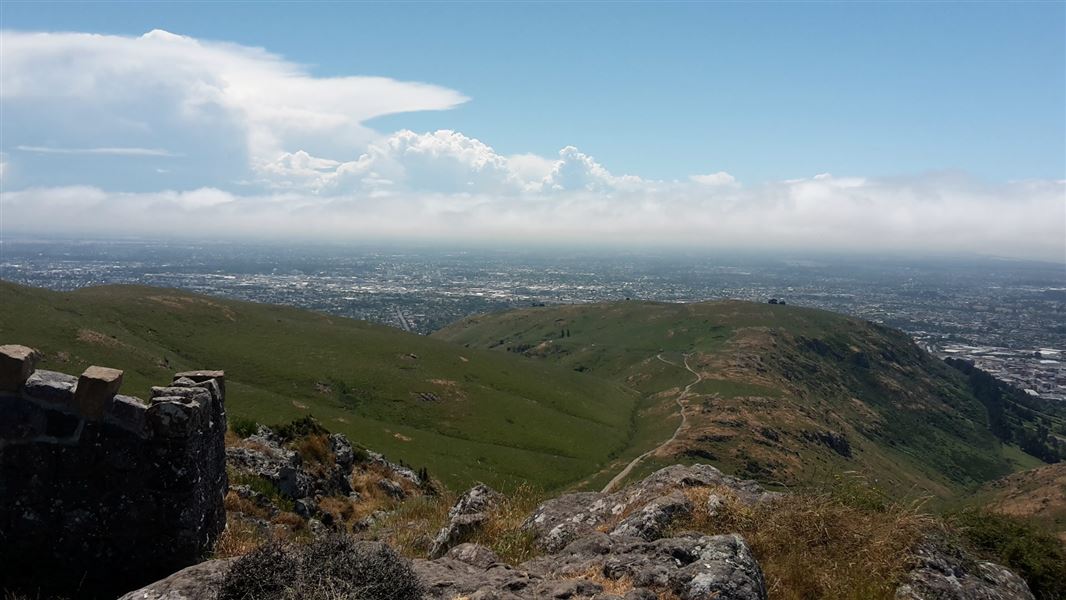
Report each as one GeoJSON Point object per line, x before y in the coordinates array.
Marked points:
{"type": "Point", "coordinates": [182, 302]}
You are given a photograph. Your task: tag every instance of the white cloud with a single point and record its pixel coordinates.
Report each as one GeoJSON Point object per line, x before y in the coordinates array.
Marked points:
{"type": "Point", "coordinates": [72, 87]}
{"type": "Point", "coordinates": [719, 178]}
{"type": "Point", "coordinates": [103, 151]}
{"type": "Point", "coordinates": [937, 212]}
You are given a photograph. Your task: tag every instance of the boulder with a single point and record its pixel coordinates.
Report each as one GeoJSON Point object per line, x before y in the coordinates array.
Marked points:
{"type": "Point", "coordinates": [569, 517]}
{"type": "Point", "coordinates": [198, 582]}
{"type": "Point", "coordinates": [468, 514]}
{"type": "Point", "coordinates": [945, 572]}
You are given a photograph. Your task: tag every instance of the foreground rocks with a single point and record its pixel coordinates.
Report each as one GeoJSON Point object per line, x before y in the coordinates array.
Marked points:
{"type": "Point", "coordinates": [652, 505]}
{"type": "Point", "coordinates": [942, 571]}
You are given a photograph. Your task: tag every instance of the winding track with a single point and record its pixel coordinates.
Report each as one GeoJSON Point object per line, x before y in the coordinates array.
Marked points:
{"type": "Point", "coordinates": [684, 419]}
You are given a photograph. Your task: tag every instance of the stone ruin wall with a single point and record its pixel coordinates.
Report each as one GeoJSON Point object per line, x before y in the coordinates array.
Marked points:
{"type": "Point", "coordinates": [101, 493]}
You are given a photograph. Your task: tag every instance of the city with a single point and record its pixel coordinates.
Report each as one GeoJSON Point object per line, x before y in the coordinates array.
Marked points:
{"type": "Point", "coordinates": [1009, 317]}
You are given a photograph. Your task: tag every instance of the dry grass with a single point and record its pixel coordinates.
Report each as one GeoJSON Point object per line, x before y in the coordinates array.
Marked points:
{"type": "Point", "coordinates": [315, 451]}
{"type": "Point", "coordinates": [410, 529]}
{"type": "Point", "coordinates": [503, 532]}
{"type": "Point", "coordinates": [820, 545]}
{"type": "Point", "coordinates": [240, 537]}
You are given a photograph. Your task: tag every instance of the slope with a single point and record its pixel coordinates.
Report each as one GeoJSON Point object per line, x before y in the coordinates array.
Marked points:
{"type": "Point", "coordinates": [786, 395]}
{"type": "Point", "coordinates": [466, 414]}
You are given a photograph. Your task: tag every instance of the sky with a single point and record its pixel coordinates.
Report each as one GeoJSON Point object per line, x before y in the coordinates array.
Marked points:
{"type": "Point", "coordinates": [929, 127]}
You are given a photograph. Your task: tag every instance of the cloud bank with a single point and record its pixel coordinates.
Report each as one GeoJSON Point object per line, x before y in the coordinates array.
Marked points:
{"type": "Point", "coordinates": [290, 158]}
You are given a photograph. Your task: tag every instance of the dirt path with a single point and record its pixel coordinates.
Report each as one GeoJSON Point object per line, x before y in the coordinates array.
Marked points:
{"type": "Point", "coordinates": [684, 419]}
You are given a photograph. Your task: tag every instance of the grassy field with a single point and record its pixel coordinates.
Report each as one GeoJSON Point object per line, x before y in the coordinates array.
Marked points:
{"type": "Point", "coordinates": [466, 414]}
{"type": "Point", "coordinates": [789, 396]}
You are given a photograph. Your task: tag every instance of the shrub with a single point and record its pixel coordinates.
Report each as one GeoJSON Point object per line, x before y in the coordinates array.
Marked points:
{"type": "Point", "coordinates": [332, 568]}
{"type": "Point", "coordinates": [306, 426]}
{"type": "Point", "coordinates": [1038, 557]}
{"type": "Point", "coordinates": [243, 427]}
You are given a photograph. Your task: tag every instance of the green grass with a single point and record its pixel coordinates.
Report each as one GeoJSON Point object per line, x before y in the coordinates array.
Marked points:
{"type": "Point", "coordinates": [912, 423]}
{"type": "Point", "coordinates": [492, 417]}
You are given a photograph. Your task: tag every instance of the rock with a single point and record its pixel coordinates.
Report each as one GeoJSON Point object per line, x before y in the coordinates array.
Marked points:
{"type": "Point", "coordinates": [692, 566]}
{"type": "Point", "coordinates": [447, 578]}
{"type": "Point", "coordinates": [573, 588]}
{"type": "Point", "coordinates": [96, 388]}
{"type": "Point", "coordinates": [17, 363]}
{"type": "Point", "coordinates": [714, 504]}
{"type": "Point", "coordinates": [198, 582]}
{"type": "Point", "coordinates": [393, 489]}
{"type": "Point", "coordinates": [468, 514]}
{"type": "Point", "coordinates": [343, 451]}
{"type": "Point", "coordinates": [945, 572]}
{"type": "Point", "coordinates": [650, 522]}
{"type": "Point", "coordinates": [569, 517]}
{"type": "Point", "coordinates": [264, 457]}
{"type": "Point", "coordinates": [474, 555]}
{"type": "Point", "coordinates": [641, 594]}
{"type": "Point", "coordinates": [51, 387]}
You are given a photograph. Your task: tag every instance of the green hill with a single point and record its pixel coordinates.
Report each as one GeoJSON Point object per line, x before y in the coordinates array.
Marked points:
{"type": "Point", "coordinates": [782, 394]}
{"type": "Point", "coordinates": [466, 414]}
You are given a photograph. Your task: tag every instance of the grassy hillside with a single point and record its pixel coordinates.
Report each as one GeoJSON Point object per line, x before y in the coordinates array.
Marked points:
{"type": "Point", "coordinates": [1037, 495]}
{"type": "Point", "coordinates": [466, 414]}
{"type": "Point", "coordinates": [782, 394]}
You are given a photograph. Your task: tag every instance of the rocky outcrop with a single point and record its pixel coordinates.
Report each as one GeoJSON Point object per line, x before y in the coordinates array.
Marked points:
{"type": "Point", "coordinates": [944, 572]}
{"type": "Point", "coordinates": [651, 505]}
{"type": "Point", "coordinates": [198, 582]}
{"type": "Point", "coordinates": [468, 514]}
{"type": "Point", "coordinates": [304, 483]}
{"type": "Point", "coordinates": [100, 492]}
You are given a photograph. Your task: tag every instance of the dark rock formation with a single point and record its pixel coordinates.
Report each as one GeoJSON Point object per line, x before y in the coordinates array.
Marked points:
{"type": "Point", "coordinates": [99, 492]}
{"type": "Point", "coordinates": [944, 572]}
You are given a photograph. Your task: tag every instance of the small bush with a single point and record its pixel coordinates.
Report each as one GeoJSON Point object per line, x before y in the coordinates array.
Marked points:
{"type": "Point", "coordinates": [303, 427]}
{"type": "Point", "coordinates": [1038, 557]}
{"type": "Point", "coordinates": [333, 568]}
{"type": "Point", "coordinates": [264, 487]}
{"type": "Point", "coordinates": [243, 427]}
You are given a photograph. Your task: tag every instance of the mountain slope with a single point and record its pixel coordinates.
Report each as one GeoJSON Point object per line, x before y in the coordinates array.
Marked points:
{"type": "Point", "coordinates": [784, 394]}
{"type": "Point", "coordinates": [465, 414]}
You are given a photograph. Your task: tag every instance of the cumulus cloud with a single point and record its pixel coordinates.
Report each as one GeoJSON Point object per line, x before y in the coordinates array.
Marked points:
{"type": "Point", "coordinates": [259, 146]}
{"type": "Point", "coordinates": [73, 87]}
{"type": "Point", "coordinates": [937, 212]}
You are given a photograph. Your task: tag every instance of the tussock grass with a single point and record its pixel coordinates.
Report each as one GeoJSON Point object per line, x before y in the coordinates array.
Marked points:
{"type": "Point", "coordinates": [835, 545]}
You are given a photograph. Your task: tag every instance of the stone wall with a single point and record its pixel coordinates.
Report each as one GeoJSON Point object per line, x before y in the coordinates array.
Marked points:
{"type": "Point", "coordinates": [101, 493]}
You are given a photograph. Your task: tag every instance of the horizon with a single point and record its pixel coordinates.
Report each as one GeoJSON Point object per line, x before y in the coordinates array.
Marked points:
{"type": "Point", "coordinates": [785, 128]}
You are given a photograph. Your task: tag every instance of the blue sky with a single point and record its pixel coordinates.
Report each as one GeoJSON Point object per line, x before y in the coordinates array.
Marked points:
{"type": "Point", "coordinates": [937, 100]}
{"type": "Point", "coordinates": [771, 91]}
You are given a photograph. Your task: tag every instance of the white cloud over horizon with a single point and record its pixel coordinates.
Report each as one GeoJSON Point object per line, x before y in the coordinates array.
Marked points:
{"type": "Point", "coordinates": [932, 213]}
{"type": "Point", "coordinates": [291, 158]}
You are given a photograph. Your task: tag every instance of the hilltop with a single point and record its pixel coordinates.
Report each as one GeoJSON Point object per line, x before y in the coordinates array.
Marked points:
{"type": "Point", "coordinates": [782, 394]}
{"type": "Point", "coordinates": [466, 414]}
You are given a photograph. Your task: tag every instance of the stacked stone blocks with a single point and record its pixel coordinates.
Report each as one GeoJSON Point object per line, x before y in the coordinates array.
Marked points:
{"type": "Point", "coordinates": [100, 492]}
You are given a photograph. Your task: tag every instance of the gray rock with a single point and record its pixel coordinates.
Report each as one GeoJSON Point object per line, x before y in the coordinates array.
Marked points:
{"type": "Point", "coordinates": [393, 489]}
{"type": "Point", "coordinates": [51, 387]}
{"type": "Point", "coordinates": [562, 520]}
{"type": "Point", "coordinates": [474, 555]}
{"type": "Point", "coordinates": [650, 522]}
{"type": "Point", "coordinates": [198, 582]}
{"type": "Point", "coordinates": [944, 572]}
{"type": "Point", "coordinates": [468, 514]}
